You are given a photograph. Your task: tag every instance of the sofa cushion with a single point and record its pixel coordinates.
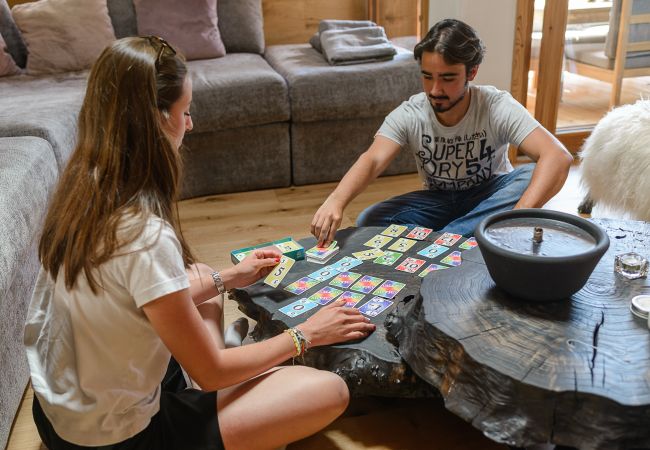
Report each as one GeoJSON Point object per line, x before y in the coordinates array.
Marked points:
{"type": "Point", "coordinates": [11, 34]}
{"type": "Point", "coordinates": [7, 64]}
{"type": "Point", "coordinates": [319, 91]}
{"type": "Point", "coordinates": [122, 13]}
{"type": "Point", "coordinates": [238, 90]}
{"type": "Point", "coordinates": [58, 41]}
{"type": "Point", "coordinates": [43, 106]}
{"type": "Point", "coordinates": [242, 25]}
{"type": "Point", "coordinates": [189, 26]}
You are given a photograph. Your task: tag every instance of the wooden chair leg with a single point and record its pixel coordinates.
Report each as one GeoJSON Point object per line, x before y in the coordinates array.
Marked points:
{"type": "Point", "coordinates": [617, 87]}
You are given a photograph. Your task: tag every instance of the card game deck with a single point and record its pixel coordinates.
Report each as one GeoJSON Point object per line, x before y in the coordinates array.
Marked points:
{"type": "Point", "coordinates": [430, 268]}
{"type": "Point", "coordinates": [301, 285]}
{"type": "Point", "coordinates": [394, 230]}
{"type": "Point", "coordinates": [389, 258]}
{"type": "Point", "coordinates": [419, 233]}
{"type": "Point", "coordinates": [366, 284]}
{"type": "Point", "coordinates": [378, 241]}
{"type": "Point", "coordinates": [298, 307]}
{"type": "Point", "coordinates": [410, 265]}
{"type": "Point", "coordinates": [448, 239]}
{"type": "Point", "coordinates": [375, 306]}
{"type": "Point", "coordinates": [278, 273]}
{"type": "Point", "coordinates": [325, 295]}
{"type": "Point", "coordinates": [469, 243]}
{"type": "Point", "coordinates": [389, 289]}
{"type": "Point", "coordinates": [351, 298]}
{"type": "Point", "coordinates": [402, 245]}
{"type": "Point", "coordinates": [345, 279]}
{"type": "Point", "coordinates": [433, 250]}
{"type": "Point", "coordinates": [453, 259]}
{"type": "Point", "coordinates": [369, 254]}
{"type": "Point", "coordinates": [321, 255]}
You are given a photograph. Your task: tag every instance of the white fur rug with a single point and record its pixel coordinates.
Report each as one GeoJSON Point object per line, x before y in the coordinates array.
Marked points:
{"type": "Point", "coordinates": [616, 160]}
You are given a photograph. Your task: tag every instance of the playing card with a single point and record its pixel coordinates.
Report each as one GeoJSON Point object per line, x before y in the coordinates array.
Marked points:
{"type": "Point", "coordinates": [469, 243]}
{"type": "Point", "coordinates": [345, 279]}
{"type": "Point", "coordinates": [366, 284]}
{"type": "Point", "coordinates": [433, 250]}
{"type": "Point", "coordinates": [389, 289]}
{"type": "Point", "coordinates": [323, 274]}
{"type": "Point", "coordinates": [419, 233]}
{"type": "Point", "coordinates": [298, 307]}
{"type": "Point", "coordinates": [368, 254]}
{"type": "Point", "coordinates": [346, 263]}
{"type": "Point", "coordinates": [325, 295]}
{"type": "Point", "coordinates": [375, 306]}
{"type": "Point", "coordinates": [402, 245]}
{"type": "Point", "coordinates": [430, 268]}
{"type": "Point", "coordinates": [453, 259]}
{"type": "Point", "coordinates": [394, 230]}
{"type": "Point", "coordinates": [448, 239]}
{"type": "Point", "coordinates": [301, 285]}
{"type": "Point", "coordinates": [389, 258]}
{"type": "Point", "coordinates": [322, 252]}
{"type": "Point", "coordinates": [280, 271]}
{"type": "Point", "coordinates": [410, 265]}
{"type": "Point", "coordinates": [378, 241]}
{"type": "Point", "coordinates": [351, 298]}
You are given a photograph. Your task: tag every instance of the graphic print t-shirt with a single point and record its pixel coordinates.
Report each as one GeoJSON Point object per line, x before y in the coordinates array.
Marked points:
{"type": "Point", "coordinates": [466, 154]}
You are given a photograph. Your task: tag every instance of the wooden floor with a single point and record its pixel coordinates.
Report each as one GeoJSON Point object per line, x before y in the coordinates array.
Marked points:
{"type": "Point", "coordinates": [217, 224]}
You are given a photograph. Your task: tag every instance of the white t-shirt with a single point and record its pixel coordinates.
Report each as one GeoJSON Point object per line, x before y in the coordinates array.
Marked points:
{"type": "Point", "coordinates": [468, 153]}
{"type": "Point", "coordinates": [96, 362]}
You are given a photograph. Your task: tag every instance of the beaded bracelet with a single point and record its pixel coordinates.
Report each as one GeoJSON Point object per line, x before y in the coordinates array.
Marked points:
{"type": "Point", "coordinates": [299, 340]}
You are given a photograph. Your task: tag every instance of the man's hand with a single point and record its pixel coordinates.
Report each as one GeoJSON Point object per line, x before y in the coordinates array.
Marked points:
{"type": "Point", "coordinates": [326, 221]}
{"type": "Point", "coordinates": [256, 265]}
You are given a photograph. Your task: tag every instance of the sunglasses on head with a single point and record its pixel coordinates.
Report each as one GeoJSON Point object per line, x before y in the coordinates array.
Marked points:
{"type": "Point", "coordinates": [161, 44]}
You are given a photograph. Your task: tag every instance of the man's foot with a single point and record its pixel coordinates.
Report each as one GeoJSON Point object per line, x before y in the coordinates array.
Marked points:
{"type": "Point", "coordinates": [236, 332]}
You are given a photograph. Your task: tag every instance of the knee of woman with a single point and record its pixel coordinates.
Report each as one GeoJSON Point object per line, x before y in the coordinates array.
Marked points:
{"type": "Point", "coordinates": [338, 391]}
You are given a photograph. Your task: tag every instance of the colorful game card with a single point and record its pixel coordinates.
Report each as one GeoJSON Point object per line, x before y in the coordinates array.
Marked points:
{"type": "Point", "coordinates": [453, 259]}
{"type": "Point", "coordinates": [351, 298]}
{"type": "Point", "coordinates": [345, 279]}
{"type": "Point", "coordinates": [378, 241]}
{"type": "Point", "coordinates": [322, 252]}
{"type": "Point", "coordinates": [298, 307]}
{"type": "Point", "coordinates": [433, 250]}
{"type": "Point", "coordinates": [375, 306]}
{"type": "Point", "coordinates": [301, 285]}
{"type": "Point", "coordinates": [346, 263]}
{"type": "Point", "coordinates": [368, 254]}
{"type": "Point", "coordinates": [389, 289]}
{"type": "Point", "coordinates": [402, 245]}
{"type": "Point", "coordinates": [288, 246]}
{"type": "Point", "coordinates": [448, 239]}
{"type": "Point", "coordinates": [430, 268]}
{"type": "Point", "coordinates": [323, 274]}
{"type": "Point", "coordinates": [280, 271]}
{"type": "Point", "coordinates": [419, 233]}
{"type": "Point", "coordinates": [469, 243]}
{"type": "Point", "coordinates": [394, 230]}
{"type": "Point", "coordinates": [325, 295]}
{"type": "Point", "coordinates": [389, 258]}
{"type": "Point", "coordinates": [410, 265]}
{"type": "Point", "coordinates": [366, 284]}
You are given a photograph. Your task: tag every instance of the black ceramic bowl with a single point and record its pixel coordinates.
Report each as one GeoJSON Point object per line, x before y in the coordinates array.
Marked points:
{"type": "Point", "coordinates": [540, 277]}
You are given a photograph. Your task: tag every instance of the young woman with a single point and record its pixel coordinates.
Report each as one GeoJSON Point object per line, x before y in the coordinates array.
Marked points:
{"type": "Point", "coordinates": [119, 292]}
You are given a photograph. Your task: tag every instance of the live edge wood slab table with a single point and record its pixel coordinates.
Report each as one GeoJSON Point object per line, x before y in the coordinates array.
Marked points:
{"type": "Point", "coordinates": [574, 372]}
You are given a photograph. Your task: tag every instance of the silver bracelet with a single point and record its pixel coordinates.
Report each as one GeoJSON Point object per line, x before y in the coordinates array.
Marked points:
{"type": "Point", "coordinates": [218, 282]}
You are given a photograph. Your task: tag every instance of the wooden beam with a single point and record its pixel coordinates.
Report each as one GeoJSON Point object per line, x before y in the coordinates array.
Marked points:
{"type": "Point", "coordinates": [423, 19]}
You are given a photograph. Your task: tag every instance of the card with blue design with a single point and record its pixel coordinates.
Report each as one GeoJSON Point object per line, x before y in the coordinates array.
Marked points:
{"type": "Point", "coordinates": [351, 298]}
{"type": "Point", "coordinates": [325, 295]}
{"type": "Point", "coordinates": [389, 258]}
{"type": "Point", "coordinates": [346, 263]}
{"type": "Point", "coordinates": [323, 274]}
{"type": "Point", "coordinates": [453, 259]}
{"type": "Point", "coordinates": [345, 279]}
{"type": "Point", "coordinates": [298, 307]}
{"type": "Point", "coordinates": [389, 289]}
{"type": "Point", "coordinates": [433, 250]}
{"type": "Point", "coordinates": [375, 306]}
{"type": "Point", "coordinates": [366, 284]}
{"type": "Point", "coordinates": [469, 243]}
{"type": "Point", "coordinates": [431, 268]}
{"type": "Point", "coordinates": [301, 285]}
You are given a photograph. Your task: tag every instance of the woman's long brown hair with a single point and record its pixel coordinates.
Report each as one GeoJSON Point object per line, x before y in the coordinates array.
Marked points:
{"type": "Point", "coordinates": [123, 162]}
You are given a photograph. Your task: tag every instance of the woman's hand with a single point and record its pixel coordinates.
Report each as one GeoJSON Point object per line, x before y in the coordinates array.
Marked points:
{"type": "Point", "coordinates": [336, 323]}
{"type": "Point", "coordinates": [256, 265]}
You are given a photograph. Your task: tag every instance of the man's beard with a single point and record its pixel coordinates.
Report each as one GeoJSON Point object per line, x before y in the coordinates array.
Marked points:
{"type": "Point", "coordinates": [440, 108]}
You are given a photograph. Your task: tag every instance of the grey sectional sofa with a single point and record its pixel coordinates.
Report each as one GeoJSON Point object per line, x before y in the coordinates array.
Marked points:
{"type": "Point", "coordinates": [263, 118]}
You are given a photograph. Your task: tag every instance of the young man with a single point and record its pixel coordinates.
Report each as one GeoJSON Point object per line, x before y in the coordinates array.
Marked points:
{"type": "Point", "coordinates": [459, 136]}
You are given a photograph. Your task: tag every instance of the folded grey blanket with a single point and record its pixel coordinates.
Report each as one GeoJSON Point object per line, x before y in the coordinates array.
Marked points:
{"type": "Point", "coordinates": [352, 42]}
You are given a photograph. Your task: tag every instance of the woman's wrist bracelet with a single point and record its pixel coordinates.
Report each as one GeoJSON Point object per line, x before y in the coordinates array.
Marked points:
{"type": "Point", "coordinates": [218, 282]}
{"type": "Point", "coordinates": [299, 340]}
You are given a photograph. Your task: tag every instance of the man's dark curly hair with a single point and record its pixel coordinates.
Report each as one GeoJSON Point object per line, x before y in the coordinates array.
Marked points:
{"type": "Point", "coordinates": [456, 41]}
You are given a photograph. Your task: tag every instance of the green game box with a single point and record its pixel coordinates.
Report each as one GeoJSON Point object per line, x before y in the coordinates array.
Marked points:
{"type": "Point", "coordinates": [286, 245]}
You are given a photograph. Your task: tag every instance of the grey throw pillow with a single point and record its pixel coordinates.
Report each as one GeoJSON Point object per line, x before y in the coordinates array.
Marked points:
{"type": "Point", "coordinates": [241, 25]}
{"type": "Point", "coordinates": [15, 44]}
{"type": "Point", "coordinates": [122, 13]}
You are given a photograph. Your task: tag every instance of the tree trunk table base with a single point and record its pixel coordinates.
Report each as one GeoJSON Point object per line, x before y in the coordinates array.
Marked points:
{"type": "Point", "coordinates": [574, 372]}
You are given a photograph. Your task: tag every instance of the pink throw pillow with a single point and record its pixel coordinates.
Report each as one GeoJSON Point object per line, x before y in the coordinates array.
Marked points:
{"type": "Point", "coordinates": [7, 63]}
{"type": "Point", "coordinates": [189, 26]}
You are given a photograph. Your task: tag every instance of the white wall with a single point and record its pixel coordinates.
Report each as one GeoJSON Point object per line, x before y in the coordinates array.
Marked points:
{"type": "Point", "coordinates": [494, 20]}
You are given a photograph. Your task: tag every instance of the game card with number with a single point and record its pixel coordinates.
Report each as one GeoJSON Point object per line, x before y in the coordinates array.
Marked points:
{"type": "Point", "coordinates": [419, 233]}
{"type": "Point", "coordinates": [469, 243]}
{"type": "Point", "coordinates": [346, 263]}
{"type": "Point", "coordinates": [280, 271]}
{"type": "Point", "coordinates": [389, 258]}
{"type": "Point", "coordinates": [323, 274]}
{"type": "Point", "coordinates": [431, 268]}
{"type": "Point", "coordinates": [322, 252]}
{"type": "Point", "coordinates": [433, 250]}
{"type": "Point", "coordinates": [368, 254]}
{"type": "Point", "coordinates": [301, 285]}
{"type": "Point", "coordinates": [375, 306]}
{"type": "Point", "coordinates": [394, 230]}
{"type": "Point", "coordinates": [345, 279]}
{"type": "Point", "coordinates": [366, 284]}
{"type": "Point", "coordinates": [325, 295]}
{"type": "Point", "coordinates": [402, 245]}
{"type": "Point", "coordinates": [453, 259]}
{"type": "Point", "coordinates": [298, 307]}
{"type": "Point", "coordinates": [378, 241]}
{"type": "Point", "coordinates": [389, 289]}
{"type": "Point", "coordinates": [410, 265]}
{"type": "Point", "coordinates": [351, 298]}
{"type": "Point", "coordinates": [448, 239]}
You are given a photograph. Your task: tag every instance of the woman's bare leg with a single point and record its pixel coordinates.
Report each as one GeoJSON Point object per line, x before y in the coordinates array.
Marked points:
{"type": "Point", "coordinates": [279, 407]}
